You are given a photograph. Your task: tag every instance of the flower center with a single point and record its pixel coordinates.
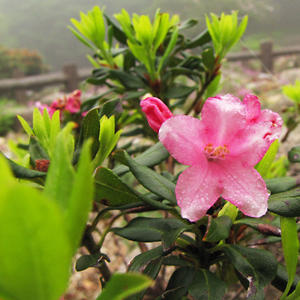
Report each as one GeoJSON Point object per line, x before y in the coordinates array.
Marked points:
{"type": "Point", "coordinates": [215, 152]}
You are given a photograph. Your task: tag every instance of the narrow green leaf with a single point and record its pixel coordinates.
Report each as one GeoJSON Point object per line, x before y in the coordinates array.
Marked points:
{"type": "Point", "coordinates": [283, 184]}
{"type": "Point", "coordinates": [111, 108]}
{"type": "Point", "coordinates": [295, 295]}
{"type": "Point", "coordinates": [258, 266]}
{"type": "Point", "coordinates": [201, 39]}
{"type": "Point", "coordinates": [124, 285]}
{"type": "Point", "coordinates": [169, 238]}
{"type": "Point", "coordinates": [179, 91]}
{"type": "Point", "coordinates": [263, 166]}
{"type": "Point", "coordinates": [290, 246]}
{"type": "Point", "coordinates": [217, 229]}
{"type": "Point", "coordinates": [208, 59]}
{"type": "Point", "coordinates": [286, 203]}
{"type": "Point", "coordinates": [60, 176]}
{"type": "Point", "coordinates": [151, 157]}
{"type": "Point", "coordinates": [40, 130]}
{"type": "Point", "coordinates": [36, 150]}
{"type": "Point", "coordinates": [143, 229]}
{"type": "Point", "coordinates": [111, 190]}
{"type": "Point", "coordinates": [150, 179]}
{"type": "Point", "coordinates": [207, 286]}
{"type": "Point", "coordinates": [81, 198]}
{"type": "Point", "coordinates": [90, 128]}
{"type": "Point", "coordinates": [26, 127]}
{"type": "Point", "coordinates": [39, 266]}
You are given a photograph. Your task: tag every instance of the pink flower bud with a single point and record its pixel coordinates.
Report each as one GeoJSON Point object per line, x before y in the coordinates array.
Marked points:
{"type": "Point", "coordinates": [156, 112]}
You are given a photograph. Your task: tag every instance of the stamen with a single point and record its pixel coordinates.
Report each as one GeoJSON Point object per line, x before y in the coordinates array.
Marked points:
{"type": "Point", "coordinates": [217, 152]}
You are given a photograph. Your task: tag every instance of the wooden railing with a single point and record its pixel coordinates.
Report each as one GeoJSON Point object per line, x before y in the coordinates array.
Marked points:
{"type": "Point", "coordinates": [70, 76]}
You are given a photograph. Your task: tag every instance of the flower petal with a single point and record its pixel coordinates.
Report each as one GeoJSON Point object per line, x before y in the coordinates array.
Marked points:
{"type": "Point", "coordinates": [244, 187]}
{"type": "Point", "coordinates": [183, 136]}
{"type": "Point", "coordinates": [197, 190]}
{"type": "Point", "coordinates": [223, 117]}
{"type": "Point", "coordinates": [253, 107]}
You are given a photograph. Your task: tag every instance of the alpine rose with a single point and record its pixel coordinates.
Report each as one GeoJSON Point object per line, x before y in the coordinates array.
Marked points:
{"type": "Point", "coordinates": [156, 112]}
{"type": "Point", "coordinates": [221, 149]}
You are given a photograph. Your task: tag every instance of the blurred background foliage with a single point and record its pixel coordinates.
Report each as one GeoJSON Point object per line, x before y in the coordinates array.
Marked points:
{"type": "Point", "coordinates": [41, 25]}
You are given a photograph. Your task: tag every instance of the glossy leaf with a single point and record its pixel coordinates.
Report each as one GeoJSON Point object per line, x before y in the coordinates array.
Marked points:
{"type": "Point", "coordinates": [118, 33]}
{"type": "Point", "coordinates": [179, 283]}
{"type": "Point", "coordinates": [81, 198]}
{"type": "Point", "coordinates": [36, 150]}
{"type": "Point", "coordinates": [40, 130]}
{"type": "Point", "coordinates": [60, 176]}
{"type": "Point", "coordinates": [143, 229]}
{"type": "Point", "coordinates": [111, 108]}
{"type": "Point", "coordinates": [201, 39]}
{"type": "Point", "coordinates": [151, 157]}
{"type": "Point", "coordinates": [278, 185]}
{"type": "Point", "coordinates": [90, 128]}
{"type": "Point", "coordinates": [281, 279]}
{"type": "Point", "coordinates": [39, 266]}
{"type": "Point", "coordinates": [290, 246]}
{"type": "Point", "coordinates": [169, 237]}
{"type": "Point", "coordinates": [208, 59]}
{"type": "Point", "coordinates": [25, 126]}
{"type": "Point", "coordinates": [124, 285]}
{"type": "Point", "coordinates": [173, 260]}
{"type": "Point", "coordinates": [21, 172]}
{"type": "Point", "coordinates": [111, 190]}
{"type": "Point", "coordinates": [207, 286]}
{"type": "Point", "coordinates": [295, 295]}
{"type": "Point", "coordinates": [188, 24]}
{"type": "Point", "coordinates": [286, 203]}
{"type": "Point", "coordinates": [179, 91]}
{"type": "Point", "coordinates": [150, 179]}
{"type": "Point", "coordinates": [217, 229]}
{"type": "Point", "coordinates": [258, 266]}
{"type": "Point", "coordinates": [294, 154]}
{"type": "Point", "coordinates": [87, 261]}
{"type": "Point", "coordinates": [127, 79]}
{"type": "Point", "coordinates": [263, 166]}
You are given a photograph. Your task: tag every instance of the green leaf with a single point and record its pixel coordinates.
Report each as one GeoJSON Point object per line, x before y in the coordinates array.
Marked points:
{"type": "Point", "coordinates": [36, 150]}
{"type": "Point", "coordinates": [179, 283]}
{"type": "Point", "coordinates": [118, 33]}
{"type": "Point", "coordinates": [90, 128]}
{"type": "Point", "coordinates": [38, 266]}
{"type": "Point", "coordinates": [60, 176]}
{"type": "Point", "coordinates": [111, 190]}
{"type": "Point", "coordinates": [286, 203]}
{"type": "Point", "coordinates": [40, 130]}
{"type": "Point", "coordinates": [201, 39]}
{"type": "Point", "coordinates": [174, 260]}
{"type": "Point", "coordinates": [169, 237]}
{"type": "Point", "coordinates": [111, 108]}
{"type": "Point", "coordinates": [25, 125]}
{"type": "Point", "coordinates": [258, 266]}
{"type": "Point", "coordinates": [294, 154]}
{"type": "Point", "coordinates": [295, 295]}
{"type": "Point", "coordinates": [263, 166]}
{"type": "Point", "coordinates": [217, 229]}
{"type": "Point", "coordinates": [134, 94]}
{"type": "Point", "coordinates": [281, 279]}
{"type": "Point", "coordinates": [124, 285]}
{"type": "Point", "coordinates": [150, 179]}
{"type": "Point", "coordinates": [143, 229]}
{"type": "Point", "coordinates": [179, 91]}
{"type": "Point", "coordinates": [278, 185]}
{"type": "Point", "coordinates": [290, 246]}
{"type": "Point", "coordinates": [188, 24]}
{"type": "Point", "coordinates": [87, 261]}
{"type": "Point", "coordinates": [151, 157]}
{"type": "Point", "coordinates": [21, 172]}
{"type": "Point", "coordinates": [127, 79]}
{"type": "Point", "coordinates": [207, 286]}
{"type": "Point", "coordinates": [213, 88]}
{"type": "Point", "coordinates": [81, 198]}
{"type": "Point", "coordinates": [208, 59]}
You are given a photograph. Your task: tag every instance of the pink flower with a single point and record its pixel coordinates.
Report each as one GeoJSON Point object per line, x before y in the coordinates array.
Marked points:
{"type": "Point", "coordinates": [156, 112]}
{"type": "Point", "coordinates": [73, 102]}
{"type": "Point", "coordinates": [41, 108]}
{"type": "Point", "coordinates": [221, 150]}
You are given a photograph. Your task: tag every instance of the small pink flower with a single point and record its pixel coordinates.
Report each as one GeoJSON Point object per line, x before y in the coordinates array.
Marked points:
{"type": "Point", "coordinates": [156, 112]}
{"type": "Point", "coordinates": [221, 149]}
{"type": "Point", "coordinates": [41, 108]}
{"type": "Point", "coordinates": [73, 102]}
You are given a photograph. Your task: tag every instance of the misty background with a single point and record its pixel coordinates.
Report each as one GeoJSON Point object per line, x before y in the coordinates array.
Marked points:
{"type": "Point", "coordinates": [42, 25]}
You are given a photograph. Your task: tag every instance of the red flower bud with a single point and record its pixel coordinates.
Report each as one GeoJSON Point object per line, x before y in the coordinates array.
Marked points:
{"type": "Point", "coordinates": [156, 112]}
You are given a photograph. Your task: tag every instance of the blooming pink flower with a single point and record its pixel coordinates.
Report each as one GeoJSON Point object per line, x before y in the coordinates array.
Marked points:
{"type": "Point", "coordinates": [41, 108]}
{"type": "Point", "coordinates": [221, 150]}
{"type": "Point", "coordinates": [73, 102]}
{"type": "Point", "coordinates": [156, 112]}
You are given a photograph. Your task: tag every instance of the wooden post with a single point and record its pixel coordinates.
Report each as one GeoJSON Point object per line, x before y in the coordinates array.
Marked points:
{"type": "Point", "coordinates": [20, 94]}
{"type": "Point", "coordinates": [70, 72]}
{"type": "Point", "coordinates": [266, 56]}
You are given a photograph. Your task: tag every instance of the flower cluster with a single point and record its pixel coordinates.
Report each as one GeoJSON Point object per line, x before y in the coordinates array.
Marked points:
{"type": "Point", "coordinates": [221, 149]}
{"type": "Point", "coordinates": [70, 103]}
